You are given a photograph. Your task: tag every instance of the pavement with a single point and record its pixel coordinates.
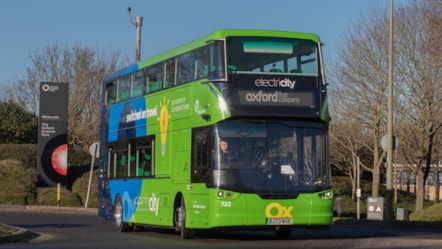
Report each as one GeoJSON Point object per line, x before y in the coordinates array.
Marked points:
{"type": "Point", "coordinates": [10, 233]}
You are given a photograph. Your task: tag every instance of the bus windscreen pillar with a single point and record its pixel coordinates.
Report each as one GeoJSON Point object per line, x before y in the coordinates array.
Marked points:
{"type": "Point", "coordinates": [52, 133]}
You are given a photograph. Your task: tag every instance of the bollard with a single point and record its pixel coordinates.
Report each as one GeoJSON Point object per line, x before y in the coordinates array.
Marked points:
{"type": "Point", "coordinates": [58, 194]}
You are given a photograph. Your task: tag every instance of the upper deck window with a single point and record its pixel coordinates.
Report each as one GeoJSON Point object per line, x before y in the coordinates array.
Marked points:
{"type": "Point", "coordinates": [139, 84]}
{"type": "Point", "coordinates": [274, 55]}
{"type": "Point", "coordinates": [124, 88]}
{"type": "Point", "coordinates": [170, 76]}
{"type": "Point", "coordinates": [110, 93]}
{"type": "Point", "coordinates": [216, 68]}
{"type": "Point", "coordinates": [155, 76]}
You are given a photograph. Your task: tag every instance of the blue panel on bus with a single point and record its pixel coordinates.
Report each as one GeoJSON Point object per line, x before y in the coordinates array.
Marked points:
{"type": "Point", "coordinates": [127, 120]}
{"type": "Point", "coordinates": [129, 191]}
{"type": "Point", "coordinates": [108, 78]}
{"type": "Point", "coordinates": [115, 114]}
{"type": "Point", "coordinates": [139, 116]}
{"type": "Point", "coordinates": [130, 69]}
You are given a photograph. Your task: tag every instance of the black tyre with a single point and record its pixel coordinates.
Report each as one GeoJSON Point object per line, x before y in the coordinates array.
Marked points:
{"type": "Point", "coordinates": [180, 222]}
{"type": "Point", "coordinates": [120, 225]}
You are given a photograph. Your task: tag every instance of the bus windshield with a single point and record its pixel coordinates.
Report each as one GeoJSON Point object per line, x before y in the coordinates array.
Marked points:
{"type": "Point", "coordinates": [274, 55]}
{"type": "Point", "coordinates": [271, 159]}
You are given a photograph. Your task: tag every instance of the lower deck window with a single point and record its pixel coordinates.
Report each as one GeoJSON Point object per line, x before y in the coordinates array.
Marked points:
{"type": "Point", "coordinates": [132, 158]}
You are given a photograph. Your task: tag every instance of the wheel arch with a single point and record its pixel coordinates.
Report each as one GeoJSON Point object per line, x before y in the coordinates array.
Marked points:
{"type": "Point", "coordinates": [177, 203]}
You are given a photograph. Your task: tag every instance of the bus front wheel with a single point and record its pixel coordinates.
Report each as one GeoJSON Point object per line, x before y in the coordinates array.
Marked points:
{"type": "Point", "coordinates": [121, 226]}
{"type": "Point", "coordinates": [180, 222]}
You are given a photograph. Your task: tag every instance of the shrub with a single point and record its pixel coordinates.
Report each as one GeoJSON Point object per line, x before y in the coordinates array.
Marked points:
{"type": "Point", "coordinates": [26, 153]}
{"type": "Point", "coordinates": [342, 187]}
{"type": "Point", "coordinates": [78, 158]}
{"type": "Point", "coordinates": [17, 185]}
{"type": "Point", "coordinates": [48, 197]}
{"type": "Point", "coordinates": [80, 187]}
{"type": "Point", "coordinates": [430, 214]}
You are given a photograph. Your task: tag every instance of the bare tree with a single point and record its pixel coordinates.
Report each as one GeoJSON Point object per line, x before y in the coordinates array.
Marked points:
{"type": "Point", "coordinates": [437, 170]}
{"type": "Point", "coordinates": [25, 93]}
{"type": "Point", "coordinates": [346, 138]}
{"type": "Point", "coordinates": [419, 71]}
{"type": "Point", "coordinates": [343, 157]}
{"type": "Point", "coordinates": [362, 73]}
{"type": "Point", "coordinates": [83, 69]}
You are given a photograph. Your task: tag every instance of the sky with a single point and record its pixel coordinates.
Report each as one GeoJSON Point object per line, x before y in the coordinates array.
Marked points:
{"type": "Point", "coordinates": [27, 26]}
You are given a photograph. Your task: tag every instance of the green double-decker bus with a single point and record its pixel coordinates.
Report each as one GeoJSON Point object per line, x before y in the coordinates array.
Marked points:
{"type": "Point", "coordinates": [227, 131]}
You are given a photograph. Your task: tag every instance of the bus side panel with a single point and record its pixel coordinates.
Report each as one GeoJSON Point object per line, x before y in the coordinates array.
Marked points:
{"type": "Point", "coordinates": [197, 206]}
{"type": "Point", "coordinates": [129, 191]}
{"type": "Point", "coordinates": [105, 205]}
{"type": "Point", "coordinates": [127, 120]}
{"type": "Point", "coordinates": [155, 204]}
{"type": "Point", "coordinates": [181, 140]}
{"type": "Point", "coordinates": [145, 201]}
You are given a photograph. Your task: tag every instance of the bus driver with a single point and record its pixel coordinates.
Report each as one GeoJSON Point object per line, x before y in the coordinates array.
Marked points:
{"type": "Point", "coordinates": [226, 155]}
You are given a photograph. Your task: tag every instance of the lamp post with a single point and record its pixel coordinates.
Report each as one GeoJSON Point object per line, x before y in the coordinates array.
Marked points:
{"type": "Point", "coordinates": [138, 23]}
{"type": "Point", "coordinates": [389, 206]}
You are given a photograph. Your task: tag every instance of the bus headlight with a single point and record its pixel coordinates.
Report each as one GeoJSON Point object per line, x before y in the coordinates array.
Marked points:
{"type": "Point", "coordinates": [326, 194]}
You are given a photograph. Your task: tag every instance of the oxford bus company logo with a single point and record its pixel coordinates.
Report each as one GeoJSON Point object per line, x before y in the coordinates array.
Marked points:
{"type": "Point", "coordinates": [276, 210]}
{"type": "Point", "coordinates": [286, 83]}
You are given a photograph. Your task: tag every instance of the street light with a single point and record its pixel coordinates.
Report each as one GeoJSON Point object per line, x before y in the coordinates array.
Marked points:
{"type": "Point", "coordinates": [389, 206]}
{"type": "Point", "coordinates": [138, 23]}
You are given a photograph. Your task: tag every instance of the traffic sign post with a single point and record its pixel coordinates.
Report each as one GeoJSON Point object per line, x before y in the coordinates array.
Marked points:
{"type": "Point", "coordinates": [94, 152]}
{"type": "Point", "coordinates": [375, 208]}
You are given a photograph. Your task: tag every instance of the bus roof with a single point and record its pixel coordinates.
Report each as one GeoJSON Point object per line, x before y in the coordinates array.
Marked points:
{"type": "Point", "coordinates": [220, 34]}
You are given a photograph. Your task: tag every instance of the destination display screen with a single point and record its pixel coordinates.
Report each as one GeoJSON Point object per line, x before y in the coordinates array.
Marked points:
{"type": "Point", "coordinates": [274, 95]}
{"type": "Point", "coordinates": [275, 98]}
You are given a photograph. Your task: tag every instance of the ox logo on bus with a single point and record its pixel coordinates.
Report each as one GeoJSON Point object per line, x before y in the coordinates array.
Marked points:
{"type": "Point", "coordinates": [278, 214]}
{"type": "Point", "coordinates": [276, 210]}
{"type": "Point", "coordinates": [164, 123]}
